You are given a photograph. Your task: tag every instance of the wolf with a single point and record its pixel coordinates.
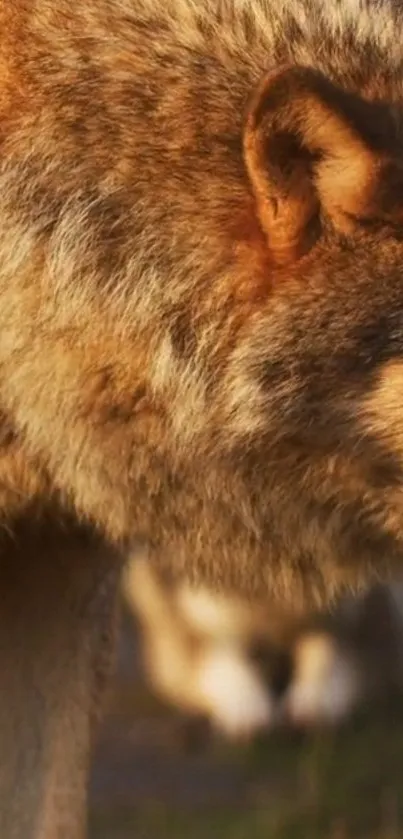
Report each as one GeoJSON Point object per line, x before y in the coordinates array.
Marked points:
{"type": "Point", "coordinates": [201, 342]}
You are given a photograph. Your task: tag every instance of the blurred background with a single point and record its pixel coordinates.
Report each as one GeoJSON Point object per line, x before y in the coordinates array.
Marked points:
{"type": "Point", "coordinates": [234, 719]}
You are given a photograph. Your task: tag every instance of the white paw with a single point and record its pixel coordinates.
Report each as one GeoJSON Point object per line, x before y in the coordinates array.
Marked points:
{"type": "Point", "coordinates": [326, 685]}
{"type": "Point", "coordinates": [237, 698]}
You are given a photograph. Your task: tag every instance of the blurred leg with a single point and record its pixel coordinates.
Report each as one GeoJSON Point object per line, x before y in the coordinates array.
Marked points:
{"type": "Point", "coordinates": [58, 592]}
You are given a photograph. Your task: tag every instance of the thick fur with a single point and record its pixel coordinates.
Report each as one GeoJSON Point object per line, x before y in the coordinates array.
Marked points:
{"type": "Point", "coordinates": [159, 371]}
{"type": "Point", "coordinates": [201, 309]}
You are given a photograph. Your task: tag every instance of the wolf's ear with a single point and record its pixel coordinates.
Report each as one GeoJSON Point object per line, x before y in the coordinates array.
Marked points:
{"type": "Point", "coordinates": [309, 147]}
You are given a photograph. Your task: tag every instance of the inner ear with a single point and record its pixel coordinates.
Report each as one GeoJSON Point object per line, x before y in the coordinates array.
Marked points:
{"type": "Point", "coordinates": [287, 198]}
{"type": "Point", "coordinates": [310, 146]}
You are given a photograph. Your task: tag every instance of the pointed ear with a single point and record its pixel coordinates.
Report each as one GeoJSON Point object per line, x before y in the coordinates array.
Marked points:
{"type": "Point", "coordinates": [312, 148]}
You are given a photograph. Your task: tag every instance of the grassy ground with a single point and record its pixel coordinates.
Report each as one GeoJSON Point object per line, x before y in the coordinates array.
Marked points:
{"type": "Point", "coordinates": [345, 785]}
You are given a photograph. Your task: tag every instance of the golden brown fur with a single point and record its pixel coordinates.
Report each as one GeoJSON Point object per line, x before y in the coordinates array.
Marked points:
{"type": "Point", "coordinates": [163, 350]}
{"type": "Point", "coordinates": [201, 291]}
